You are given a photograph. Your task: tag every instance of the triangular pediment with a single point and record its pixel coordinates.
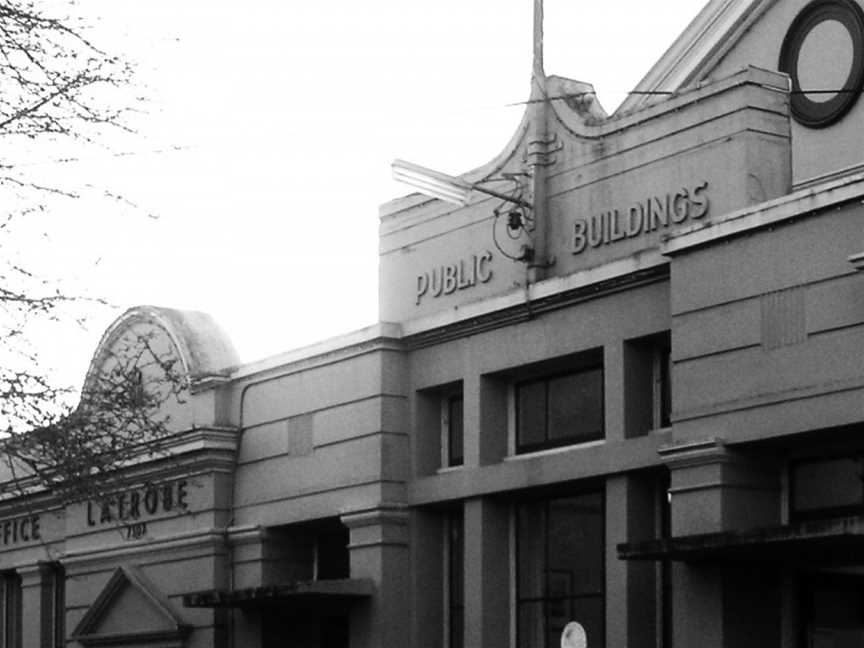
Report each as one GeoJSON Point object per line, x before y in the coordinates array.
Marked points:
{"type": "Point", "coordinates": [710, 36]}
{"type": "Point", "coordinates": [130, 611]}
{"type": "Point", "coordinates": [818, 44]}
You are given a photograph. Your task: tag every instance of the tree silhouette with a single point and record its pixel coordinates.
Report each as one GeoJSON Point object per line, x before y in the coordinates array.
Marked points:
{"type": "Point", "coordinates": [60, 93]}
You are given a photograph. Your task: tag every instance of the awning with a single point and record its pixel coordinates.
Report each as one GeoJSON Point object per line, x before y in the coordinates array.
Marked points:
{"type": "Point", "coordinates": [838, 540]}
{"type": "Point", "coordinates": [300, 592]}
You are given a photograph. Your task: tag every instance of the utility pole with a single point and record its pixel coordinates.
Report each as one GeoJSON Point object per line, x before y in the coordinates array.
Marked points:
{"type": "Point", "coordinates": [537, 154]}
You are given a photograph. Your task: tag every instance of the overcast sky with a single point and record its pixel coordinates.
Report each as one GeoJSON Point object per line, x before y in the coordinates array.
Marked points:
{"type": "Point", "coordinates": [266, 147]}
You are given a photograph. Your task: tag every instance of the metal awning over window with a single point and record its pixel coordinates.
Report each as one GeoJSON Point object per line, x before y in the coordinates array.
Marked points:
{"type": "Point", "coordinates": [838, 540]}
{"type": "Point", "coordinates": [305, 592]}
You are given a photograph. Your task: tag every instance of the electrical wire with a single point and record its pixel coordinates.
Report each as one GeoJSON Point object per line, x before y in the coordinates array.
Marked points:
{"type": "Point", "coordinates": [663, 93]}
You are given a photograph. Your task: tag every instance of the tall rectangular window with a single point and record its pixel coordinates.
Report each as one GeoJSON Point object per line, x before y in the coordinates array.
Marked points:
{"type": "Point", "coordinates": [648, 384]}
{"type": "Point", "coordinates": [453, 430]}
{"type": "Point", "coordinates": [560, 569]}
{"type": "Point", "coordinates": [54, 605]}
{"type": "Point", "coordinates": [560, 409]}
{"type": "Point", "coordinates": [455, 559]}
{"type": "Point", "coordinates": [10, 615]}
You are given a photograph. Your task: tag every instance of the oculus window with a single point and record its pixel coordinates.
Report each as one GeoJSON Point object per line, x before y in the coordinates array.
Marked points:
{"type": "Point", "coordinates": [823, 54]}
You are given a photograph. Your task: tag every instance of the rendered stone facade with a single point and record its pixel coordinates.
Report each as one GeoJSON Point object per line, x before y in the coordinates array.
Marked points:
{"type": "Point", "coordinates": [652, 427]}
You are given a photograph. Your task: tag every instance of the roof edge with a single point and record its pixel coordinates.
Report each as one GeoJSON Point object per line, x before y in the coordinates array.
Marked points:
{"type": "Point", "coordinates": [708, 37]}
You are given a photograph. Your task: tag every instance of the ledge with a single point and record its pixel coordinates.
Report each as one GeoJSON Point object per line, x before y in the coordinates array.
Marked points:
{"type": "Point", "coordinates": [325, 592]}
{"type": "Point", "coordinates": [838, 541]}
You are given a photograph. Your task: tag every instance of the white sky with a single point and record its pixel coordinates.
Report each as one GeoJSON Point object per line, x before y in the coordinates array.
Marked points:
{"type": "Point", "coordinates": [289, 114]}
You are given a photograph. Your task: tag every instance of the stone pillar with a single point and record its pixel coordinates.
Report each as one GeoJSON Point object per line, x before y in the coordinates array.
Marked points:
{"type": "Point", "coordinates": [715, 489]}
{"type": "Point", "coordinates": [37, 606]}
{"type": "Point", "coordinates": [632, 603]}
{"type": "Point", "coordinates": [427, 586]}
{"type": "Point", "coordinates": [245, 548]}
{"type": "Point", "coordinates": [613, 388]}
{"type": "Point", "coordinates": [487, 573]}
{"type": "Point", "coordinates": [485, 401]}
{"type": "Point", "coordinates": [378, 545]}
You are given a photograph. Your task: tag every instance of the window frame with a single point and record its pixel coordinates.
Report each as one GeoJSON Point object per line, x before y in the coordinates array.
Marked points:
{"type": "Point", "coordinates": [517, 600]}
{"type": "Point", "coordinates": [12, 611]}
{"type": "Point", "coordinates": [518, 448]}
{"type": "Point", "coordinates": [448, 397]}
{"type": "Point", "coordinates": [55, 605]}
{"type": "Point", "coordinates": [450, 566]}
{"type": "Point", "coordinates": [827, 512]}
{"type": "Point", "coordinates": [661, 385]}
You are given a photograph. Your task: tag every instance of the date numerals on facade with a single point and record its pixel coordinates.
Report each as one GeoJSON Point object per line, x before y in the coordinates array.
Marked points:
{"type": "Point", "coordinates": [135, 531]}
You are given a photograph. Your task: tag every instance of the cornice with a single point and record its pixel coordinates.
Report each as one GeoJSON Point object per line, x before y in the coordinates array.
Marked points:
{"type": "Point", "coordinates": [380, 336]}
{"type": "Point", "coordinates": [523, 305]}
{"type": "Point", "coordinates": [797, 204]}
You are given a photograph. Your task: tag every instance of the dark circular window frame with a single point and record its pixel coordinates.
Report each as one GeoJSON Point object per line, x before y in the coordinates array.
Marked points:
{"type": "Point", "coordinates": [821, 114]}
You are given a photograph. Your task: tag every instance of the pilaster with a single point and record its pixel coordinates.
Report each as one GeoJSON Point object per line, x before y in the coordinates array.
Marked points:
{"type": "Point", "coordinates": [378, 546]}
{"type": "Point", "coordinates": [487, 576]}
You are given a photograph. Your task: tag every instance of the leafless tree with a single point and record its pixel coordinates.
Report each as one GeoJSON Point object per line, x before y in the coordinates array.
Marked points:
{"type": "Point", "coordinates": [60, 92]}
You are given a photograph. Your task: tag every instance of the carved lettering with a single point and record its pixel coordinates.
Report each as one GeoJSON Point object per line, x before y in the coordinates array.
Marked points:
{"type": "Point", "coordinates": [151, 500]}
{"type": "Point", "coordinates": [580, 240]}
{"type": "Point", "coordinates": [452, 277]}
{"type": "Point", "coordinates": [21, 529]}
{"type": "Point", "coordinates": [647, 215]}
{"type": "Point", "coordinates": [449, 278]}
{"type": "Point", "coordinates": [700, 201]}
{"type": "Point", "coordinates": [422, 286]}
{"type": "Point", "coordinates": [681, 204]}
{"type": "Point", "coordinates": [131, 503]}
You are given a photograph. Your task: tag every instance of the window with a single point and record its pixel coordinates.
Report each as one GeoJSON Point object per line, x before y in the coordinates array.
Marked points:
{"type": "Point", "coordinates": [648, 388]}
{"type": "Point", "coordinates": [661, 392]}
{"type": "Point", "coordinates": [452, 430]}
{"type": "Point", "coordinates": [455, 565]}
{"type": "Point", "coordinates": [827, 487]}
{"type": "Point", "coordinates": [10, 593]}
{"type": "Point", "coordinates": [559, 409]}
{"type": "Point", "coordinates": [54, 608]}
{"type": "Point", "coordinates": [560, 569]}
{"type": "Point", "coordinates": [832, 609]}
{"type": "Point", "coordinates": [332, 560]}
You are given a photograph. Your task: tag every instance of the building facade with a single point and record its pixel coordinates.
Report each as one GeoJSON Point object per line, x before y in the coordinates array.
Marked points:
{"type": "Point", "coordinates": [628, 393]}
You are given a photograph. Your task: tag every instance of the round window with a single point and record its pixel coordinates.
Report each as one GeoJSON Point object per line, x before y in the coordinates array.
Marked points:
{"type": "Point", "coordinates": [823, 53]}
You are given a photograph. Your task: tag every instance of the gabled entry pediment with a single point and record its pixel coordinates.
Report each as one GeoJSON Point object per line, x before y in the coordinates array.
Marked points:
{"type": "Point", "coordinates": [130, 612]}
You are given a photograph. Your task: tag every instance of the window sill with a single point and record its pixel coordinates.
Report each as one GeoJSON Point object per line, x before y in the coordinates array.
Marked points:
{"type": "Point", "coordinates": [555, 451]}
{"type": "Point", "coordinates": [448, 469]}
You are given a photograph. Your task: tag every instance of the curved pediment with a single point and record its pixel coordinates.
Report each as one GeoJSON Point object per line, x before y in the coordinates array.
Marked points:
{"type": "Point", "coordinates": [191, 338]}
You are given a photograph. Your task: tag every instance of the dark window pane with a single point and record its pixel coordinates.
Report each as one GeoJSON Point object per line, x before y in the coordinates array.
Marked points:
{"type": "Point", "coordinates": [455, 436]}
{"type": "Point", "coordinates": [560, 562]}
{"type": "Point", "coordinates": [457, 628]}
{"type": "Point", "coordinates": [576, 522]}
{"type": "Point", "coordinates": [531, 414]}
{"type": "Point", "coordinates": [456, 578]}
{"type": "Point", "coordinates": [531, 623]}
{"type": "Point", "coordinates": [576, 406]}
{"type": "Point", "coordinates": [827, 484]}
{"type": "Point", "coordinates": [332, 552]}
{"type": "Point", "coordinates": [665, 369]}
{"type": "Point", "coordinates": [456, 550]}
{"type": "Point", "coordinates": [531, 520]}
{"type": "Point", "coordinates": [590, 612]}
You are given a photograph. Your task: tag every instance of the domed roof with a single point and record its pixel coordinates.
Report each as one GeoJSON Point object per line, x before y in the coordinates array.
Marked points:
{"type": "Point", "coordinates": [201, 345]}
